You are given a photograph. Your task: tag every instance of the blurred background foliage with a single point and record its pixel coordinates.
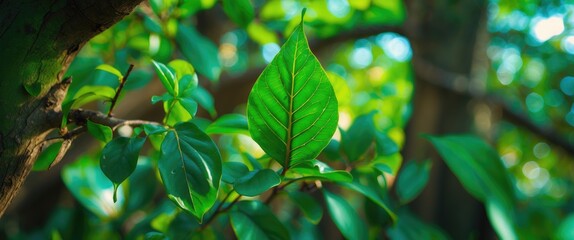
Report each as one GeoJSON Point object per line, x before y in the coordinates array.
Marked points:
{"type": "Point", "coordinates": [522, 103]}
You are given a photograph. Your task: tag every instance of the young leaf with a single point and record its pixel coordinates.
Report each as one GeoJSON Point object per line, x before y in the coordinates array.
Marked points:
{"type": "Point", "coordinates": [385, 145]}
{"type": "Point", "coordinates": [100, 132]}
{"type": "Point", "coordinates": [254, 220]}
{"type": "Point", "coordinates": [111, 69]}
{"type": "Point", "coordinates": [308, 205]}
{"type": "Point", "coordinates": [119, 159]}
{"type": "Point", "coordinates": [166, 76]}
{"type": "Point", "coordinates": [204, 98]}
{"type": "Point", "coordinates": [292, 109]}
{"type": "Point", "coordinates": [412, 180]}
{"type": "Point", "coordinates": [256, 182]}
{"type": "Point", "coordinates": [230, 123]}
{"type": "Point", "coordinates": [190, 167]}
{"type": "Point", "coordinates": [345, 217]}
{"type": "Point", "coordinates": [239, 11]}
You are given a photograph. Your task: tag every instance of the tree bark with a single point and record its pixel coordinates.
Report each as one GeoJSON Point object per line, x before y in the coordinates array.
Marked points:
{"type": "Point", "coordinates": [443, 34]}
{"type": "Point", "coordinates": [39, 39]}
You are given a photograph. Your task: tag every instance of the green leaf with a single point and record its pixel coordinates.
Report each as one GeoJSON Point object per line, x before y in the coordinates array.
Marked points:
{"type": "Point", "coordinates": [182, 68]}
{"type": "Point", "coordinates": [345, 217]}
{"type": "Point", "coordinates": [261, 34]}
{"type": "Point", "coordinates": [151, 129]}
{"type": "Point", "coordinates": [47, 157]}
{"type": "Point", "coordinates": [482, 173]}
{"type": "Point", "coordinates": [412, 180]}
{"type": "Point", "coordinates": [239, 11]}
{"type": "Point", "coordinates": [317, 170]}
{"type": "Point", "coordinates": [229, 123]}
{"type": "Point", "coordinates": [204, 98]}
{"type": "Point", "coordinates": [367, 184]}
{"type": "Point", "coordinates": [111, 69]}
{"type": "Point", "coordinates": [384, 145]}
{"type": "Point", "coordinates": [292, 109]}
{"type": "Point", "coordinates": [477, 166]}
{"type": "Point", "coordinates": [332, 150]}
{"type": "Point", "coordinates": [256, 182]}
{"type": "Point", "coordinates": [190, 167]}
{"type": "Point", "coordinates": [200, 51]}
{"type": "Point", "coordinates": [308, 205]}
{"type": "Point", "coordinates": [233, 171]}
{"type": "Point", "coordinates": [100, 132]}
{"type": "Point", "coordinates": [119, 159]}
{"type": "Point", "coordinates": [92, 189]}
{"type": "Point", "coordinates": [254, 220]}
{"type": "Point", "coordinates": [359, 137]}
{"type": "Point", "coordinates": [166, 76]}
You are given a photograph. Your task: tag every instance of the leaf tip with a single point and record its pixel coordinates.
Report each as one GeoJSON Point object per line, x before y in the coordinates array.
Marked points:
{"type": "Point", "coordinates": [303, 15]}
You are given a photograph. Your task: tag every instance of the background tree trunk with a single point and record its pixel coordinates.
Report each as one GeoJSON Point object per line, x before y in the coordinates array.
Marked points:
{"type": "Point", "coordinates": [443, 35]}
{"type": "Point", "coordinates": [39, 39]}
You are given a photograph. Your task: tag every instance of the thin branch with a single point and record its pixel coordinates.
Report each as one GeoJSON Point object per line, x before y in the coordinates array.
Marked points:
{"type": "Point", "coordinates": [462, 84]}
{"type": "Point", "coordinates": [120, 88]}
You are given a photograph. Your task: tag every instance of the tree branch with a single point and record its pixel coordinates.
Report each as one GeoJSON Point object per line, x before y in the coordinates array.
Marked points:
{"type": "Point", "coordinates": [462, 84]}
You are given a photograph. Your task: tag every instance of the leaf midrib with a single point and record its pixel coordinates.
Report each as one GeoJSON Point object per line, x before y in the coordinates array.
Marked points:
{"type": "Point", "coordinates": [290, 113]}
{"type": "Point", "coordinates": [183, 167]}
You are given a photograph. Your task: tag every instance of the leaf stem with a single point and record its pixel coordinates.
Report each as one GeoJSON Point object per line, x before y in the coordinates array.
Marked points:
{"type": "Point", "coordinates": [219, 210]}
{"type": "Point", "coordinates": [122, 83]}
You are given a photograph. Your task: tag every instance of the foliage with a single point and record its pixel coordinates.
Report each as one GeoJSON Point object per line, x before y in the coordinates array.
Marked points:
{"type": "Point", "coordinates": [312, 145]}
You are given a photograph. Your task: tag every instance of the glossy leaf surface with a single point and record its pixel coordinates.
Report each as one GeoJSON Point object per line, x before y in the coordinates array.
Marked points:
{"type": "Point", "coordinates": [119, 159]}
{"type": "Point", "coordinates": [292, 109]}
{"type": "Point", "coordinates": [100, 132]}
{"type": "Point", "coordinates": [190, 167]}
{"type": "Point", "coordinates": [317, 170]}
{"type": "Point", "coordinates": [256, 182]}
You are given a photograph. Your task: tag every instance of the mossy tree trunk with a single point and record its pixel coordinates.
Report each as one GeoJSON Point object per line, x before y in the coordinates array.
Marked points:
{"type": "Point", "coordinates": [38, 40]}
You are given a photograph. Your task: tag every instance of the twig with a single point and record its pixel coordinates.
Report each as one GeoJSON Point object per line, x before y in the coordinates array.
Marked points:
{"type": "Point", "coordinates": [122, 83]}
{"type": "Point", "coordinates": [219, 210]}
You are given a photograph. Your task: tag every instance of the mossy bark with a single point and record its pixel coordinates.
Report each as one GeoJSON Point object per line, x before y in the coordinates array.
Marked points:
{"type": "Point", "coordinates": [38, 40]}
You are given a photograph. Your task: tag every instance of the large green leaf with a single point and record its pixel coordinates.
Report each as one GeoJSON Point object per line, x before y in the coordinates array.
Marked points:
{"type": "Point", "coordinates": [482, 173]}
{"type": "Point", "coordinates": [412, 180]}
{"type": "Point", "coordinates": [190, 167]}
{"type": "Point", "coordinates": [119, 159]}
{"type": "Point", "coordinates": [292, 109]}
{"type": "Point", "coordinates": [345, 217]}
{"type": "Point", "coordinates": [256, 182]}
{"type": "Point", "coordinates": [254, 220]}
